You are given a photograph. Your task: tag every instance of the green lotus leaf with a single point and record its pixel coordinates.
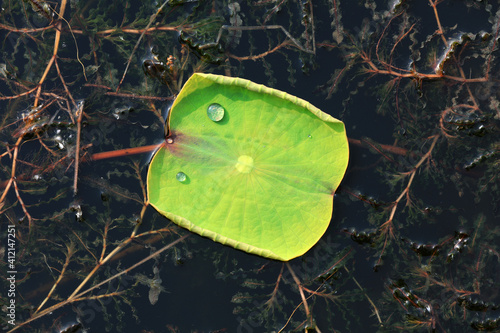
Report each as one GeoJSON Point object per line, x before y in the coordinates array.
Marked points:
{"type": "Point", "coordinates": [248, 166]}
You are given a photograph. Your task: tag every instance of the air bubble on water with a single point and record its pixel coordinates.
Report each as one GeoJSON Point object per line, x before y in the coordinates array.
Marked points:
{"type": "Point", "coordinates": [215, 112]}
{"type": "Point", "coordinates": [121, 113]}
{"type": "Point", "coordinates": [61, 143]}
{"type": "Point", "coordinates": [181, 176]}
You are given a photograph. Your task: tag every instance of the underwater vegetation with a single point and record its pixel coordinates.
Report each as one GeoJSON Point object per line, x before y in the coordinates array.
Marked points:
{"type": "Point", "coordinates": [86, 89]}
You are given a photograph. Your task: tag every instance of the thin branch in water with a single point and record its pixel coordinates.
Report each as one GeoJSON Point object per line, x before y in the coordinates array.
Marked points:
{"type": "Point", "coordinates": [125, 152]}
{"type": "Point", "coordinates": [375, 309]}
{"type": "Point", "coordinates": [259, 27]}
{"type": "Point", "coordinates": [79, 113]}
{"type": "Point", "coordinates": [70, 252]}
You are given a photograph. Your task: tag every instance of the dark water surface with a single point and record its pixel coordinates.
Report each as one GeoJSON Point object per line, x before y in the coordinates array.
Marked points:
{"type": "Point", "coordinates": [413, 244]}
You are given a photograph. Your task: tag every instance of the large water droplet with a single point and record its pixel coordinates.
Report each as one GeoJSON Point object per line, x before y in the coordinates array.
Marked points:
{"type": "Point", "coordinates": [181, 176]}
{"type": "Point", "coordinates": [215, 112]}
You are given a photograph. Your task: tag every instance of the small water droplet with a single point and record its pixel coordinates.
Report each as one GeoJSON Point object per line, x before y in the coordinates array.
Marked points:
{"type": "Point", "coordinates": [181, 176]}
{"type": "Point", "coordinates": [215, 112]}
{"type": "Point", "coordinates": [170, 140]}
{"type": "Point", "coordinates": [309, 136]}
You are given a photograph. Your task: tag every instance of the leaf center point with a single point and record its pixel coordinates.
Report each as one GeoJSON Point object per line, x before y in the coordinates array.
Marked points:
{"type": "Point", "coordinates": [244, 164]}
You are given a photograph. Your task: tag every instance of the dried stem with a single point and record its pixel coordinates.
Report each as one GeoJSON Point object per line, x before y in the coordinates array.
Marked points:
{"type": "Point", "coordinates": [54, 53]}
{"type": "Point", "coordinates": [125, 152]}
{"type": "Point", "coordinates": [304, 300]}
{"type": "Point", "coordinates": [69, 253]}
{"type": "Point", "coordinates": [375, 309]}
{"type": "Point", "coordinates": [79, 113]}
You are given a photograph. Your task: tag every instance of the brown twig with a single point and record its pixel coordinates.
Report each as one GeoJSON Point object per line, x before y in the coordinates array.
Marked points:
{"type": "Point", "coordinates": [64, 83]}
{"type": "Point", "coordinates": [301, 291]}
{"type": "Point", "coordinates": [375, 309]}
{"type": "Point", "coordinates": [23, 206]}
{"type": "Point", "coordinates": [386, 148]}
{"type": "Point", "coordinates": [18, 95]}
{"type": "Point", "coordinates": [79, 113]}
{"type": "Point", "coordinates": [13, 170]}
{"type": "Point", "coordinates": [27, 31]}
{"type": "Point", "coordinates": [260, 27]}
{"type": "Point", "coordinates": [125, 152]}
{"type": "Point", "coordinates": [273, 294]}
{"type": "Point", "coordinates": [261, 55]}
{"type": "Point", "coordinates": [132, 31]}
{"type": "Point", "coordinates": [70, 252]}
{"type": "Point", "coordinates": [373, 69]}
{"type": "Point", "coordinates": [152, 98]}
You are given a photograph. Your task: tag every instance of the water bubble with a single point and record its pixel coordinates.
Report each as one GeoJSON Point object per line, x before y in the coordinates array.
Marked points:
{"type": "Point", "coordinates": [181, 176]}
{"type": "Point", "coordinates": [309, 136]}
{"type": "Point", "coordinates": [61, 143]}
{"type": "Point", "coordinates": [215, 112]}
{"type": "Point", "coordinates": [121, 113]}
{"type": "Point", "coordinates": [78, 212]}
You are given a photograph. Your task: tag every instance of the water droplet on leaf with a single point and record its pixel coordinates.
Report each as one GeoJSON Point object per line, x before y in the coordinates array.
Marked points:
{"type": "Point", "coordinates": [215, 112]}
{"type": "Point", "coordinates": [181, 176]}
